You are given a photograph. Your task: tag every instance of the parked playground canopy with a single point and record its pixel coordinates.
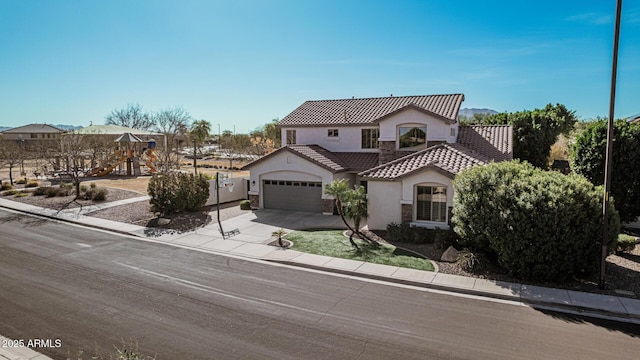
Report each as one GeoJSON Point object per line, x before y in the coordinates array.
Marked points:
{"type": "Point", "coordinates": [111, 130]}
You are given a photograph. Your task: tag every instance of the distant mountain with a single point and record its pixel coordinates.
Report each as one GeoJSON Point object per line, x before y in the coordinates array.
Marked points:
{"type": "Point", "coordinates": [468, 113]}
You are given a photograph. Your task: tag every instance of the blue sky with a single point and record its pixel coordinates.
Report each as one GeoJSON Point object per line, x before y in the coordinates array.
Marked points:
{"type": "Point", "coordinates": [243, 63]}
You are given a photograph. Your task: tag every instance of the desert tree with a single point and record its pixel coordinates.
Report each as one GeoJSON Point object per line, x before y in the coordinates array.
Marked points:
{"type": "Point", "coordinates": [173, 123]}
{"type": "Point", "coordinates": [73, 149]}
{"type": "Point", "coordinates": [132, 116]}
{"type": "Point", "coordinates": [11, 156]}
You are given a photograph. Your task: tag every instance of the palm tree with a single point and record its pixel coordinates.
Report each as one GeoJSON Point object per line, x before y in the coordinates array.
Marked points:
{"type": "Point", "coordinates": [199, 133]}
{"type": "Point", "coordinates": [351, 203]}
{"type": "Point", "coordinates": [280, 233]}
{"type": "Point", "coordinates": [355, 208]}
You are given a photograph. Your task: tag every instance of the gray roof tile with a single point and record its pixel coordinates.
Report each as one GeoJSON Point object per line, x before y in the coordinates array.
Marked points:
{"type": "Point", "coordinates": [365, 111]}
{"type": "Point", "coordinates": [494, 141]}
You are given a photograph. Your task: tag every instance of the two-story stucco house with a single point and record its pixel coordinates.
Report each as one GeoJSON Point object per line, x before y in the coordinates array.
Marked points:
{"type": "Point", "coordinates": [405, 150]}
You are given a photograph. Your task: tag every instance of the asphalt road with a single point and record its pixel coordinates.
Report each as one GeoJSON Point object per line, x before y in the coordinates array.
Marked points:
{"type": "Point", "coordinates": [93, 289]}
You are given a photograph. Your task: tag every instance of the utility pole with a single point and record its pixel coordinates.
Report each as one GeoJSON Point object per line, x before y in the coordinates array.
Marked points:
{"type": "Point", "coordinates": [607, 166]}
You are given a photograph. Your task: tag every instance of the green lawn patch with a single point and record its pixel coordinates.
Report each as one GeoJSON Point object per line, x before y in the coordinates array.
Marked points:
{"type": "Point", "coordinates": [333, 243]}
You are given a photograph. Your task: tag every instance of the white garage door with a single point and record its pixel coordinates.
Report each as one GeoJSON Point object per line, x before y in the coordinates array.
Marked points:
{"type": "Point", "coordinates": [292, 195]}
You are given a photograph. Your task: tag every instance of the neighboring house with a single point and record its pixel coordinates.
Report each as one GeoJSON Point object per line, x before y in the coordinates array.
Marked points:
{"type": "Point", "coordinates": [634, 119]}
{"type": "Point", "coordinates": [404, 150]}
{"type": "Point", "coordinates": [33, 132]}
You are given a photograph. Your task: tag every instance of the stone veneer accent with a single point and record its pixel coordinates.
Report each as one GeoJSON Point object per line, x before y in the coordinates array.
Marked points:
{"type": "Point", "coordinates": [254, 201]}
{"type": "Point", "coordinates": [407, 213]}
{"type": "Point", "coordinates": [327, 206]}
{"type": "Point", "coordinates": [387, 151]}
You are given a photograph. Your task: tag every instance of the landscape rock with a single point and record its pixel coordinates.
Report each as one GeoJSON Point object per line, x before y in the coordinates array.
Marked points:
{"type": "Point", "coordinates": [450, 255]}
{"type": "Point", "coordinates": [163, 221]}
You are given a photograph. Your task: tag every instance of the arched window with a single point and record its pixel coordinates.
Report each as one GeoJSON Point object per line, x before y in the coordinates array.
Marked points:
{"type": "Point", "coordinates": [431, 203]}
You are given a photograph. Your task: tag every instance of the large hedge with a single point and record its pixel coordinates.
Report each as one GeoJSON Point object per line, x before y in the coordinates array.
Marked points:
{"type": "Point", "coordinates": [535, 131]}
{"type": "Point", "coordinates": [537, 224]}
{"type": "Point", "coordinates": [588, 160]}
{"type": "Point", "coordinates": [177, 192]}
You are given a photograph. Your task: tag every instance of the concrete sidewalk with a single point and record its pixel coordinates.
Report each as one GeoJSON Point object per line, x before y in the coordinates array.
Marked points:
{"type": "Point", "coordinates": [255, 229]}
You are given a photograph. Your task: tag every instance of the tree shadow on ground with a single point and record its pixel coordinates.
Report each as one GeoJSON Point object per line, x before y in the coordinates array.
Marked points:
{"type": "Point", "coordinates": [627, 328]}
{"type": "Point", "coordinates": [25, 219]}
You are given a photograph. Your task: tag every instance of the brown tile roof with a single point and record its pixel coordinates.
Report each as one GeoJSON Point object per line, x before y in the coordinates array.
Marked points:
{"type": "Point", "coordinates": [368, 110]}
{"type": "Point", "coordinates": [493, 141]}
{"type": "Point", "coordinates": [332, 161]}
{"type": "Point", "coordinates": [34, 128]}
{"type": "Point", "coordinates": [448, 159]}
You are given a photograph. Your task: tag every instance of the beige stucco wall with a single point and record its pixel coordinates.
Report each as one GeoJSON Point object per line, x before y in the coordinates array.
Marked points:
{"type": "Point", "coordinates": [437, 129]}
{"type": "Point", "coordinates": [386, 197]}
{"type": "Point", "coordinates": [290, 167]}
{"type": "Point", "coordinates": [384, 203]}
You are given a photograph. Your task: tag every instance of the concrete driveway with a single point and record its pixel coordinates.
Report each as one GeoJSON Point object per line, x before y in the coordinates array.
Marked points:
{"type": "Point", "coordinates": [258, 225]}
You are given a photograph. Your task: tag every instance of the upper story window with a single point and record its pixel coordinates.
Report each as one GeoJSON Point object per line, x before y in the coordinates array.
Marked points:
{"type": "Point", "coordinates": [412, 136]}
{"type": "Point", "coordinates": [370, 138]}
{"type": "Point", "coordinates": [34, 136]}
{"type": "Point", "coordinates": [332, 133]}
{"type": "Point", "coordinates": [291, 137]}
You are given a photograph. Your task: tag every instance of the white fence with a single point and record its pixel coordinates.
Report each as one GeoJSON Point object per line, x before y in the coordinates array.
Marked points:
{"type": "Point", "coordinates": [238, 191]}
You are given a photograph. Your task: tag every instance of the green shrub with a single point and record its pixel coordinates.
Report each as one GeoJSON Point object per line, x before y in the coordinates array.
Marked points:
{"type": "Point", "coordinates": [93, 185]}
{"type": "Point", "coordinates": [99, 195]}
{"type": "Point", "coordinates": [538, 225]}
{"type": "Point", "coordinates": [471, 262]}
{"type": "Point", "coordinates": [52, 191]}
{"type": "Point", "coordinates": [83, 188]}
{"type": "Point", "coordinates": [245, 205]}
{"type": "Point", "coordinates": [43, 190]}
{"type": "Point", "coordinates": [21, 181]}
{"type": "Point", "coordinates": [10, 192]}
{"type": "Point", "coordinates": [177, 192]}
{"type": "Point", "coordinates": [22, 194]}
{"type": "Point", "coordinates": [626, 243]}
{"type": "Point", "coordinates": [419, 235]}
{"type": "Point", "coordinates": [32, 184]}
{"type": "Point", "coordinates": [6, 186]}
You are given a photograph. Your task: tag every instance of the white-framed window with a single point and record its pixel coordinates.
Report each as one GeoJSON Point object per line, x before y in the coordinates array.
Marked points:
{"type": "Point", "coordinates": [332, 133]}
{"type": "Point", "coordinates": [411, 136]}
{"type": "Point", "coordinates": [291, 137]}
{"type": "Point", "coordinates": [370, 138]}
{"type": "Point", "coordinates": [431, 203]}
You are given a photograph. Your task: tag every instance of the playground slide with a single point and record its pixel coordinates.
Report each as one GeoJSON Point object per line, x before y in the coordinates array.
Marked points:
{"type": "Point", "coordinates": [112, 166]}
{"type": "Point", "coordinates": [113, 158]}
{"type": "Point", "coordinates": [152, 157]}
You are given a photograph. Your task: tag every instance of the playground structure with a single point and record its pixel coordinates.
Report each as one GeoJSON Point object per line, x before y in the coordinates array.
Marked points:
{"type": "Point", "coordinates": [129, 156]}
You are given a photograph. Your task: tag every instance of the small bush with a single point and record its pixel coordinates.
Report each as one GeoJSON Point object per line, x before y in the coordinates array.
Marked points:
{"type": "Point", "coordinates": [93, 185]}
{"type": "Point", "coordinates": [52, 191]}
{"type": "Point", "coordinates": [245, 205]}
{"type": "Point", "coordinates": [32, 184]}
{"type": "Point", "coordinates": [626, 243]}
{"type": "Point", "coordinates": [22, 194]}
{"type": "Point", "coordinates": [83, 188]}
{"type": "Point", "coordinates": [10, 192]}
{"type": "Point", "coordinates": [419, 235]}
{"type": "Point", "coordinates": [177, 192]}
{"type": "Point", "coordinates": [6, 186]}
{"type": "Point", "coordinates": [21, 181]}
{"type": "Point", "coordinates": [99, 195]}
{"type": "Point", "coordinates": [43, 190]}
{"type": "Point", "coordinates": [472, 262]}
